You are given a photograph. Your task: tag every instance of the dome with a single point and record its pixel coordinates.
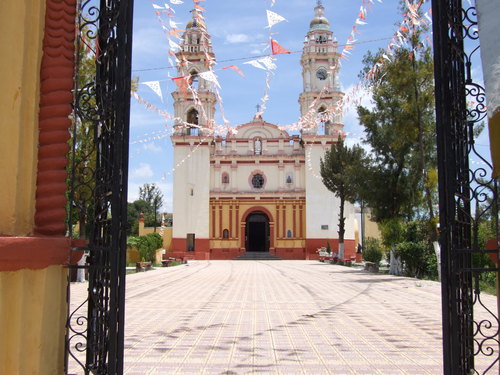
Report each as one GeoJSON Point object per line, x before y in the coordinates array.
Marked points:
{"type": "Point", "coordinates": [319, 21]}
{"type": "Point", "coordinates": [194, 23]}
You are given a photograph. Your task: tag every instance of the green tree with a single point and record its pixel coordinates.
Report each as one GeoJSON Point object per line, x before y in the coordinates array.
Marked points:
{"type": "Point", "coordinates": [134, 209]}
{"type": "Point", "coordinates": [338, 169]}
{"type": "Point", "coordinates": [400, 130]}
{"type": "Point", "coordinates": [153, 197]}
{"type": "Point", "coordinates": [146, 245]}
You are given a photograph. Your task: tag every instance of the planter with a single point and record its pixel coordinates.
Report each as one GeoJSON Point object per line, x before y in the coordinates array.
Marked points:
{"type": "Point", "coordinates": [143, 266]}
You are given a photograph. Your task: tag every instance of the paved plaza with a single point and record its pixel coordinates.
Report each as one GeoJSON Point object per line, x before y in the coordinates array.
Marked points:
{"type": "Point", "coordinates": [278, 317]}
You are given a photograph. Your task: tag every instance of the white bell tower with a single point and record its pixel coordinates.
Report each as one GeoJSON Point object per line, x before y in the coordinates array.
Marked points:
{"type": "Point", "coordinates": [194, 108]}
{"type": "Point", "coordinates": [320, 75]}
{"type": "Point", "coordinates": [321, 127]}
{"type": "Point", "coordinates": [194, 99]}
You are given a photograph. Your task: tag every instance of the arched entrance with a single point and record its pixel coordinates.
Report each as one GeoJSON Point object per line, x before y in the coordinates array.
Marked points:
{"type": "Point", "coordinates": [257, 232]}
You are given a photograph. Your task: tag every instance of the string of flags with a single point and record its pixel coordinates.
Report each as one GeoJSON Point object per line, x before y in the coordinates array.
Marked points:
{"type": "Point", "coordinates": [414, 18]}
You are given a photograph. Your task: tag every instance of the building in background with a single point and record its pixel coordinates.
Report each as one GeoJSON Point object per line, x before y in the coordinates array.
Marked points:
{"type": "Point", "coordinates": [255, 190]}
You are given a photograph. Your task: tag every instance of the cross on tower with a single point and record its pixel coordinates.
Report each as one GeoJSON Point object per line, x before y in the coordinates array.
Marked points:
{"type": "Point", "coordinates": [320, 3]}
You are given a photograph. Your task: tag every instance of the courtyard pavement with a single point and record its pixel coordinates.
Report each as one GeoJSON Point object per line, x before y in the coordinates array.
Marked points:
{"type": "Point", "coordinates": [278, 317]}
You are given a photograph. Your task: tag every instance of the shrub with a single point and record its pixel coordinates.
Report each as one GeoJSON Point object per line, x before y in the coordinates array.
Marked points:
{"type": "Point", "coordinates": [418, 258]}
{"type": "Point", "coordinates": [372, 251]}
{"type": "Point", "coordinates": [147, 246]}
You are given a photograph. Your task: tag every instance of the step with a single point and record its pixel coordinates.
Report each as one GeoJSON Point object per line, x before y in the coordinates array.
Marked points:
{"type": "Point", "coordinates": [257, 255]}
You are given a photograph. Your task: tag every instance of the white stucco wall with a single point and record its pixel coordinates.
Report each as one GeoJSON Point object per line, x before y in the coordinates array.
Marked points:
{"type": "Point", "coordinates": [322, 207]}
{"type": "Point", "coordinates": [191, 212]}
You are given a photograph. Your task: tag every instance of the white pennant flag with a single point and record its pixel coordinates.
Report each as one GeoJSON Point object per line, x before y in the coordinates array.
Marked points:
{"type": "Point", "coordinates": [157, 6]}
{"type": "Point", "coordinates": [267, 62]}
{"type": "Point", "coordinates": [173, 24]}
{"type": "Point", "coordinates": [255, 63]}
{"type": "Point", "coordinates": [273, 18]}
{"type": "Point", "coordinates": [173, 45]}
{"type": "Point", "coordinates": [155, 86]}
{"type": "Point", "coordinates": [177, 2]}
{"type": "Point", "coordinates": [169, 7]}
{"type": "Point", "coordinates": [209, 76]}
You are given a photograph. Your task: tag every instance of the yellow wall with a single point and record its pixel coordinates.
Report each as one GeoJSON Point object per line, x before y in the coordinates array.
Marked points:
{"type": "Point", "coordinates": [32, 302]}
{"type": "Point", "coordinates": [371, 227]}
{"type": "Point", "coordinates": [235, 210]}
{"type": "Point", "coordinates": [32, 320]}
{"type": "Point", "coordinates": [167, 234]}
{"type": "Point", "coordinates": [21, 35]}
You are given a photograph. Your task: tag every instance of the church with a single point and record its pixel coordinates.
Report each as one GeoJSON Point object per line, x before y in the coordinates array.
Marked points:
{"type": "Point", "coordinates": [256, 189]}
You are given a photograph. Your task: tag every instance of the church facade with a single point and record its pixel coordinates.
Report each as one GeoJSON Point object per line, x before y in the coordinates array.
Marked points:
{"type": "Point", "coordinates": [256, 189]}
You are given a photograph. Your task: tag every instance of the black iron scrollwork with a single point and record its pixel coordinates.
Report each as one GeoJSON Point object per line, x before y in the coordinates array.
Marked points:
{"type": "Point", "coordinates": [468, 195]}
{"type": "Point", "coordinates": [98, 185]}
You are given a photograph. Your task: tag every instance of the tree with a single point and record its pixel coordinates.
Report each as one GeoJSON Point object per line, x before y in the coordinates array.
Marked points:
{"type": "Point", "coordinates": [400, 130]}
{"type": "Point", "coordinates": [153, 197]}
{"type": "Point", "coordinates": [134, 209]}
{"type": "Point", "coordinates": [338, 169]}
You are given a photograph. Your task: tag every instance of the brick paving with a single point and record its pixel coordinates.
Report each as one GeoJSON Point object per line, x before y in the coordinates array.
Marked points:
{"type": "Point", "coordinates": [279, 317]}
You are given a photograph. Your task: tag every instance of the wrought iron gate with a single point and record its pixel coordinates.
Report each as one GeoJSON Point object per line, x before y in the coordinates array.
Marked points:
{"type": "Point", "coordinates": [98, 181]}
{"type": "Point", "coordinates": [467, 196]}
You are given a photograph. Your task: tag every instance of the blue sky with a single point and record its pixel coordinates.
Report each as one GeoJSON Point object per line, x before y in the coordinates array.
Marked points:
{"type": "Point", "coordinates": [237, 29]}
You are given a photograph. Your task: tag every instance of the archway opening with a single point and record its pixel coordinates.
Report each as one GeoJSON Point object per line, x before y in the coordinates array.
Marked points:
{"type": "Point", "coordinates": [257, 232]}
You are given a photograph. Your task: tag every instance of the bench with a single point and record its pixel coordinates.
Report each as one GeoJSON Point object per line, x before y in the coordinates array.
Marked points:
{"type": "Point", "coordinates": [371, 267]}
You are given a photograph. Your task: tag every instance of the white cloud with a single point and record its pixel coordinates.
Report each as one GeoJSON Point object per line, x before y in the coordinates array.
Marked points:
{"type": "Point", "coordinates": [237, 38]}
{"type": "Point", "coordinates": [143, 171]}
{"type": "Point", "coordinates": [151, 146]}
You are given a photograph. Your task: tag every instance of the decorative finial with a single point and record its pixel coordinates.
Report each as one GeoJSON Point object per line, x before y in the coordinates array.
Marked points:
{"type": "Point", "coordinates": [258, 107]}
{"type": "Point", "coordinates": [320, 3]}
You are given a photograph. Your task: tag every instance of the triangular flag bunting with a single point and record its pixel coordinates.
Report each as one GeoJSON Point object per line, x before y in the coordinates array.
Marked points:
{"type": "Point", "coordinates": [209, 76]}
{"type": "Point", "coordinates": [255, 63]}
{"type": "Point", "coordinates": [235, 68]}
{"type": "Point", "coordinates": [277, 49]}
{"type": "Point", "coordinates": [155, 86]}
{"type": "Point", "coordinates": [182, 84]}
{"type": "Point", "coordinates": [273, 18]}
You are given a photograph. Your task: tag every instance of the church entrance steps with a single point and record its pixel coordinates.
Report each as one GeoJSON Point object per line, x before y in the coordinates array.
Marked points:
{"type": "Point", "coordinates": [257, 255]}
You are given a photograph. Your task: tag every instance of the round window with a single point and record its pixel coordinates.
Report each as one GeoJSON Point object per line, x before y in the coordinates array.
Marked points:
{"type": "Point", "coordinates": [257, 181]}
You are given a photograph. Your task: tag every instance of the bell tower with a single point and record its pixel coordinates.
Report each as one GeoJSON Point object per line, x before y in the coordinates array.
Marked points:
{"type": "Point", "coordinates": [194, 99]}
{"type": "Point", "coordinates": [321, 87]}
{"type": "Point", "coordinates": [194, 108]}
{"type": "Point", "coordinates": [321, 127]}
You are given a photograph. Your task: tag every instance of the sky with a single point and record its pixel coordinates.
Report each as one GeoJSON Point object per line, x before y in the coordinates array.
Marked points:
{"type": "Point", "coordinates": [238, 33]}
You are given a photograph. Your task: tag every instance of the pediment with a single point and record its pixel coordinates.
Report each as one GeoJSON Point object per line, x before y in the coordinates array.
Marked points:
{"type": "Point", "coordinates": [260, 129]}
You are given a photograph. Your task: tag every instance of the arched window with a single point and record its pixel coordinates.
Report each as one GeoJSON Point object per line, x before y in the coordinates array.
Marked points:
{"type": "Point", "coordinates": [192, 118]}
{"type": "Point", "coordinates": [321, 39]}
{"type": "Point", "coordinates": [193, 80]}
{"type": "Point", "coordinates": [289, 233]}
{"type": "Point", "coordinates": [225, 233]}
{"type": "Point", "coordinates": [225, 178]}
{"type": "Point", "coordinates": [257, 146]}
{"type": "Point", "coordinates": [322, 118]}
{"type": "Point", "coordinates": [258, 181]}
{"type": "Point", "coordinates": [289, 179]}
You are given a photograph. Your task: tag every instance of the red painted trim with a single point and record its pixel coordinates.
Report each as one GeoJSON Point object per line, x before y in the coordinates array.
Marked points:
{"type": "Point", "coordinates": [236, 221]}
{"type": "Point", "coordinates": [230, 222]}
{"type": "Point", "coordinates": [213, 221]}
{"type": "Point", "coordinates": [17, 253]}
{"type": "Point", "coordinates": [294, 234]}
{"type": "Point", "coordinates": [301, 221]}
{"type": "Point", "coordinates": [278, 221]}
{"type": "Point", "coordinates": [284, 221]}
{"type": "Point", "coordinates": [313, 244]}
{"type": "Point", "coordinates": [220, 221]}
{"type": "Point", "coordinates": [56, 83]}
